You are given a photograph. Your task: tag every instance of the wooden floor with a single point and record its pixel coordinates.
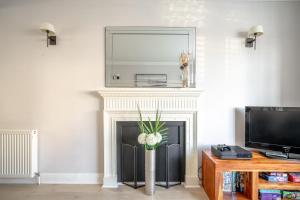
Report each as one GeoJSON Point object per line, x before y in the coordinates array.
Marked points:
{"type": "Point", "coordinates": [95, 192]}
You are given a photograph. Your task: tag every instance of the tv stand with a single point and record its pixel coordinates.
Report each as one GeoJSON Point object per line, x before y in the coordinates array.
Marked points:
{"type": "Point", "coordinates": [213, 169]}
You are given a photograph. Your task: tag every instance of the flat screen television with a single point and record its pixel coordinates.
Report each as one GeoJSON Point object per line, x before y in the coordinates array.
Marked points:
{"type": "Point", "coordinates": [273, 128]}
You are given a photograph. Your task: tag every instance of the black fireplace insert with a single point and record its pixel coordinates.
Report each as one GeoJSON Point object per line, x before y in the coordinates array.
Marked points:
{"type": "Point", "coordinates": [170, 157]}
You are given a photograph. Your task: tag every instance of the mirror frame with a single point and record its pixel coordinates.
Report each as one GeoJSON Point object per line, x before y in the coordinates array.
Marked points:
{"type": "Point", "coordinates": [110, 30]}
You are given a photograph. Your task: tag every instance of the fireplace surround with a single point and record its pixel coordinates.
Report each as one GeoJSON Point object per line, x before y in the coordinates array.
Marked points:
{"type": "Point", "coordinates": [176, 104]}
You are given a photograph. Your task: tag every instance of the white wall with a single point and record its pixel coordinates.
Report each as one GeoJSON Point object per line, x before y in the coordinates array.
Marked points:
{"type": "Point", "coordinates": [53, 89]}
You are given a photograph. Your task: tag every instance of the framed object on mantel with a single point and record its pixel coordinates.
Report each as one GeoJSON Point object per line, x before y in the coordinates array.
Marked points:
{"type": "Point", "coordinates": [149, 56]}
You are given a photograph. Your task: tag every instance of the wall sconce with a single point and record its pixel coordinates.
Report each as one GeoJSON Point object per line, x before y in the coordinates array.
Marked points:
{"type": "Point", "coordinates": [254, 32]}
{"type": "Point", "coordinates": [51, 34]}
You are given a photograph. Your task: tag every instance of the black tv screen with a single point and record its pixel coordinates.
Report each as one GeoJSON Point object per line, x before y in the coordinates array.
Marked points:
{"type": "Point", "coordinates": [273, 128]}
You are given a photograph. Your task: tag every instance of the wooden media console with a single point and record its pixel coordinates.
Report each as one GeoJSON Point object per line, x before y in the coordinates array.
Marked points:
{"type": "Point", "coordinates": [213, 169]}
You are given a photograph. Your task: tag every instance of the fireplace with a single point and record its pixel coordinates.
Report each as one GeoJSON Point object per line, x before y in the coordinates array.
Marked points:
{"type": "Point", "coordinates": [176, 104]}
{"type": "Point", "coordinates": [170, 157]}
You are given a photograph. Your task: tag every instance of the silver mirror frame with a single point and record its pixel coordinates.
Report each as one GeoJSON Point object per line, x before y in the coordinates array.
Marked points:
{"type": "Point", "coordinates": [111, 31]}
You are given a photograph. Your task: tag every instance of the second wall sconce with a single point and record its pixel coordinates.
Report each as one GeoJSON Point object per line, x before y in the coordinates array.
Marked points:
{"type": "Point", "coordinates": [253, 33]}
{"type": "Point", "coordinates": [51, 34]}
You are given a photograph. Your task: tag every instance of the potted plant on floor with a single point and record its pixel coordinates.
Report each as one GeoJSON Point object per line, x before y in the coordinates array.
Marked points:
{"type": "Point", "coordinates": [152, 135]}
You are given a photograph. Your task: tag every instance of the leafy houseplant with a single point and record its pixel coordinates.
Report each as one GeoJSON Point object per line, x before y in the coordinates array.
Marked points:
{"type": "Point", "coordinates": [152, 134]}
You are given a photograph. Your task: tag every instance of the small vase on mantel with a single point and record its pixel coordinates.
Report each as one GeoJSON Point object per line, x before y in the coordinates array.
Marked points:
{"type": "Point", "coordinates": [184, 61]}
{"type": "Point", "coordinates": [150, 172]}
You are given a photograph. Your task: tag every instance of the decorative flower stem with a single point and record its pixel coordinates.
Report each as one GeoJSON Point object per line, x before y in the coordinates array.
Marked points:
{"type": "Point", "coordinates": [152, 134]}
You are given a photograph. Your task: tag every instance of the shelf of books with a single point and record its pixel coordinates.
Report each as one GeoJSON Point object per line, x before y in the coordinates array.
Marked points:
{"type": "Point", "coordinates": [271, 185]}
{"type": "Point", "coordinates": [264, 184]}
{"type": "Point", "coordinates": [279, 185]}
{"type": "Point", "coordinates": [234, 185]}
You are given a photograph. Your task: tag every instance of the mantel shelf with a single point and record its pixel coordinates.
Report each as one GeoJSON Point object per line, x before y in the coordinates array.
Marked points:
{"type": "Point", "coordinates": [153, 92]}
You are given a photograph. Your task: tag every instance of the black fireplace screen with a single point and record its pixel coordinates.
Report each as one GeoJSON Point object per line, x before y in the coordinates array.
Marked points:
{"type": "Point", "coordinates": [170, 157]}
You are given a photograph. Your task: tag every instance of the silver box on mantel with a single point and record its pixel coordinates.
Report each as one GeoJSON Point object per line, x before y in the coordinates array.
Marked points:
{"type": "Point", "coordinates": [150, 172]}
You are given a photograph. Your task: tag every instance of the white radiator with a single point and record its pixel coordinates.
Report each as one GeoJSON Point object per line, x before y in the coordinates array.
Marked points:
{"type": "Point", "coordinates": [18, 153]}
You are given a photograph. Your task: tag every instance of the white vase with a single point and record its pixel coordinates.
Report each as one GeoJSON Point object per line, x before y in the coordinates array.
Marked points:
{"type": "Point", "coordinates": [149, 172]}
{"type": "Point", "coordinates": [185, 81]}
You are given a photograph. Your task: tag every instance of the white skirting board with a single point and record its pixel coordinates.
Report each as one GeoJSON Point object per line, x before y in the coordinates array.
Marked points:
{"type": "Point", "coordinates": [59, 178]}
{"type": "Point", "coordinates": [18, 181]}
{"type": "Point", "coordinates": [73, 178]}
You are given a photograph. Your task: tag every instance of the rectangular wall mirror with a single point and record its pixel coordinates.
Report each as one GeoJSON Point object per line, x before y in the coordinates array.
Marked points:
{"type": "Point", "coordinates": [149, 56]}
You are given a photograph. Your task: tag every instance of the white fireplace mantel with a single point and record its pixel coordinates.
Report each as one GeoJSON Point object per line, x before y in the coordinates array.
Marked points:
{"type": "Point", "coordinates": [148, 92]}
{"type": "Point", "coordinates": [176, 104]}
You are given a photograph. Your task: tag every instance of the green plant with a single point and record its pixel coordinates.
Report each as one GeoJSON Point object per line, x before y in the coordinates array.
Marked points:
{"type": "Point", "coordinates": [152, 133]}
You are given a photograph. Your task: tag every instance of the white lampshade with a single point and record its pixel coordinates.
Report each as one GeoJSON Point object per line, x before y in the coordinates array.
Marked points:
{"type": "Point", "coordinates": [48, 27]}
{"type": "Point", "coordinates": [256, 30]}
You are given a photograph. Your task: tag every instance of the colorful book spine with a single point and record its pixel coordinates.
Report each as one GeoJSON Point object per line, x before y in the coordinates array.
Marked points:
{"type": "Point", "coordinates": [240, 185]}
{"type": "Point", "coordinates": [234, 182]}
{"type": "Point", "coordinates": [227, 181]}
{"type": "Point", "coordinates": [270, 194]}
{"type": "Point", "coordinates": [270, 197]}
{"type": "Point", "coordinates": [294, 177]}
{"type": "Point", "coordinates": [290, 195]}
{"type": "Point", "coordinates": [276, 174]}
{"type": "Point", "coordinates": [272, 178]}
